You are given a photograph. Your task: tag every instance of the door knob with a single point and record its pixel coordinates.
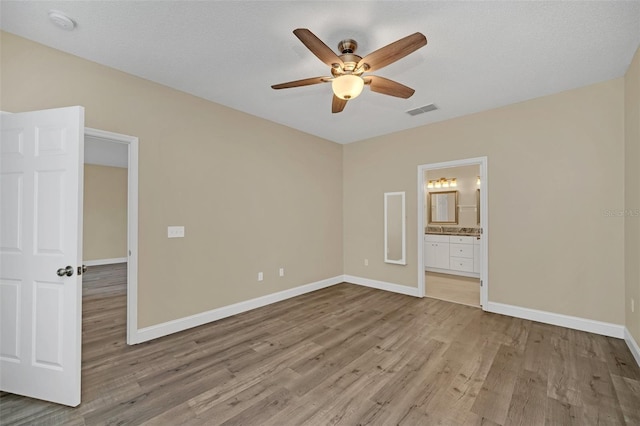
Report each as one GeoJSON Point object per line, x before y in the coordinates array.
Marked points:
{"type": "Point", "coordinates": [82, 269]}
{"type": "Point", "coordinates": [68, 271]}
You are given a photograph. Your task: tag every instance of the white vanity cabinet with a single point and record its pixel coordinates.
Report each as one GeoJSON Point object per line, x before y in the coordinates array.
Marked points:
{"type": "Point", "coordinates": [436, 251]}
{"type": "Point", "coordinates": [461, 252]}
{"type": "Point", "coordinates": [452, 254]}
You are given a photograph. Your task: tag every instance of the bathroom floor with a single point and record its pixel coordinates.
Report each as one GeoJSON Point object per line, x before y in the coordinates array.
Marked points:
{"type": "Point", "coordinates": [453, 288]}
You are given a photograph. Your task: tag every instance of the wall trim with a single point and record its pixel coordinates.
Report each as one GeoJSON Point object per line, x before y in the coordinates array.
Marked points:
{"type": "Point", "coordinates": [382, 285]}
{"type": "Point", "coordinates": [99, 262]}
{"type": "Point", "coordinates": [633, 345]}
{"type": "Point", "coordinates": [567, 321]}
{"type": "Point", "coordinates": [174, 326]}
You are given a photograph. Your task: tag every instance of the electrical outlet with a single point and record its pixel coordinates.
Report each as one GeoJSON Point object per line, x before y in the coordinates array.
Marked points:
{"type": "Point", "coordinates": [282, 272]}
{"type": "Point", "coordinates": [260, 276]}
{"type": "Point", "coordinates": [366, 262]}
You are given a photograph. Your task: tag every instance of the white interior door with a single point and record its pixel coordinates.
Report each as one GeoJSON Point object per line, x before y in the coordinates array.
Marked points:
{"type": "Point", "coordinates": [40, 243]}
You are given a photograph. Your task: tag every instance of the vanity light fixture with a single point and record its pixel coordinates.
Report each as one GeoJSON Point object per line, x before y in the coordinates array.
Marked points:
{"type": "Point", "coordinates": [442, 183]}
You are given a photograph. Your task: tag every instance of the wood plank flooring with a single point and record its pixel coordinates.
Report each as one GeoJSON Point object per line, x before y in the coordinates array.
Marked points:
{"type": "Point", "coordinates": [343, 355]}
{"type": "Point", "coordinates": [453, 288]}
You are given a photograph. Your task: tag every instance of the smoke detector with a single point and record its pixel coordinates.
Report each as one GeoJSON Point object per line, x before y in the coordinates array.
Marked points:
{"type": "Point", "coordinates": [61, 20]}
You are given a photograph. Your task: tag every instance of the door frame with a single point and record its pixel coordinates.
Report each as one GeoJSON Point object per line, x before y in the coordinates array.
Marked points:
{"type": "Point", "coordinates": [132, 225]}
{"type": "Point", "coordinates": [484, 221]}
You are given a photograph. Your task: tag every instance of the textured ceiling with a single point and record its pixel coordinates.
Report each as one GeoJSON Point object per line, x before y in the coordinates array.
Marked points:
{"type": "Point", "coordinates": [480, 55]}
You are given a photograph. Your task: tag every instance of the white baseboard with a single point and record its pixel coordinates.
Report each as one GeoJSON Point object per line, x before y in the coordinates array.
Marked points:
{"type": "Point", "coordinates": [575, 323]}
{"type": "Point", "coordinates": [633, 345]}
{"type": "Point", "coordinates": [164, 329]}
{"type": "Point", "coordinates": [382, 285]}
{"type": "Point", "coordinates": [105, 261]}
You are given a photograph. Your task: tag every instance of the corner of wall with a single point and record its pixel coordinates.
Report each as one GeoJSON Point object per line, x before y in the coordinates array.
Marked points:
{"type": "Point", "coordinates": [632, 202]}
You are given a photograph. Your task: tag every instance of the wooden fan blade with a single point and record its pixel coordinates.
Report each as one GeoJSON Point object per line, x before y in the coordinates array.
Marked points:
{"type": "Point", "coordinates": [392, 52]}
{"type": "Point", "coordinates": [318, 48]}
{"type": "Point", "coordinates": [337, 105]}
{"type": "Point", "coordinates": [304, 82]}
{"type": "Point", "coordinates": [388, 87]}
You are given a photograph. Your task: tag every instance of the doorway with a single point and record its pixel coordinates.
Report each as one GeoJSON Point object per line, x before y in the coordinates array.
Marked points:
{"type": "Point", "coordinates": [42, 205]}
{"type": "Point", "coordinates": [453, 231]}
{"type": "Point", "coordinates": [117, 150]}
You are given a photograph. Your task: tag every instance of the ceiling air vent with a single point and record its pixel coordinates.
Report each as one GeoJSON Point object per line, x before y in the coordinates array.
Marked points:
{"type": "Point", "coordinates": [422, 109]}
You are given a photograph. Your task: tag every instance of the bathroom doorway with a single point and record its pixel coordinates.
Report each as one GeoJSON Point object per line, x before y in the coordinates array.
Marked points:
{"type": "Point", "coordinates": [453, 232]}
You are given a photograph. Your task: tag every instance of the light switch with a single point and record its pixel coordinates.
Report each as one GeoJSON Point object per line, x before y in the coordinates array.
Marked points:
{"type": "Point", "coordinates": [175, 231]}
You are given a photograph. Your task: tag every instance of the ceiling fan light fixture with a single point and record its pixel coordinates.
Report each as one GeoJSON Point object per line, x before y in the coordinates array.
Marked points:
{"type": "Point", "coordinates": [347, 86]}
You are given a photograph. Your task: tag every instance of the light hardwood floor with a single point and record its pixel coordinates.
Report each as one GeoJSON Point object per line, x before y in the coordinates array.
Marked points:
{"type": "Point", "coordinates": [453, 288]}
{"type": "Point", "coordinates": [344, 355]}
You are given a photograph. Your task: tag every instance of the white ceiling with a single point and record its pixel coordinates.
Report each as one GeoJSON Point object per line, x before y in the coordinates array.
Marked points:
{"type": "Point", "coordinates": [480, 54]}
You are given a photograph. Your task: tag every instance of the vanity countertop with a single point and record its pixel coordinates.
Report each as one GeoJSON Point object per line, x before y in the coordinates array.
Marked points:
{"type": "Point", "coordinates": [446, 230]}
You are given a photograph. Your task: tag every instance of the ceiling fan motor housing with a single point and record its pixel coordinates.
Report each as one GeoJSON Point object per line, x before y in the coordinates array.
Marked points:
{"type": "Point", "coordinates": [347, 46]}
{"type": "Point", "coordinates": [350, 60]}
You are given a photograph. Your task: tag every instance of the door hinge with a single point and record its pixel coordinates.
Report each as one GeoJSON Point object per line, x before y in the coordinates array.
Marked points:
{"type": "Point", "coordinates": [480, 283]}
{"type": "Point", "coordinates": [481, 231]}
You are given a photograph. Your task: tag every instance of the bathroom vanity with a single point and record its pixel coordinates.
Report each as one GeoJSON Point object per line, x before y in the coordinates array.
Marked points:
{"type": "Point", "coordinates": [452, 254]}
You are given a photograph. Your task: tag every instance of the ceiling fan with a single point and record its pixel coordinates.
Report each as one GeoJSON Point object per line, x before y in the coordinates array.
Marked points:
{"type": "Point", "coordinates": [347, 79]}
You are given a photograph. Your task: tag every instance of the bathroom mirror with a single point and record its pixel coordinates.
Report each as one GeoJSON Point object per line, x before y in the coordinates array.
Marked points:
{"type": "Point", "coordinates": [443, 207]}
{"type": "Point", "coordinates": [394, 228]}
{"type": "Point", "coordinates": [478, 205]}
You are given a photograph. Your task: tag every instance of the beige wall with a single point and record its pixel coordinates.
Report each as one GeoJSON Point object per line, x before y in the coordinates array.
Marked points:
{"type": "Point", "coordinates": [253, 195]}
{"type": "Point", "coordinates": [632, 196]}
{"type": "Point", "coordinates": [466, 180]}
{"type": "Point", "coordinates": [105, 212]}
{"type": "Point", "coordinates": [554, 165]}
